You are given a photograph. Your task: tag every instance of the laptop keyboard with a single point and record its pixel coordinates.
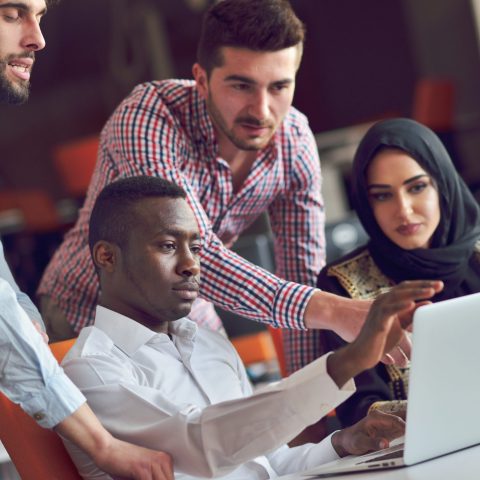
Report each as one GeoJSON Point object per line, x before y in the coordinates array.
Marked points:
{"type": "Point", "coordinates": [386, 456]}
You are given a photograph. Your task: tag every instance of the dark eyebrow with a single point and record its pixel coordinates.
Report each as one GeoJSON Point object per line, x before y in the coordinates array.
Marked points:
{"type": "Point", "coordinates": [406, 182]}
{"type": "Point", "coordinates": [21, 6]}
{"type": "Point", "coordinates": [239, 78]}
{"type": "Point", "coordinates": [243, 79]}
{"type": "Point", "coordinates": [178, 233]}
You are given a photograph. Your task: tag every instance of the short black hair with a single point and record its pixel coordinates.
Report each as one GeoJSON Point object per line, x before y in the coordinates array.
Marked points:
{"type": "Point", "coordinates": [258, 25]}
{"type": "Point", "coordinates": [112, 216]}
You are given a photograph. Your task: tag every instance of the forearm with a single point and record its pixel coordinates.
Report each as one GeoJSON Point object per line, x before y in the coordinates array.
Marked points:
{"type": "Point", "coordinates": [84, 430]}
{"type": "Point", "coordinates": [111, 455]}
{"type": "Point", "coordinates": [246, 289]}
{"type": "Point", "coordinates": [332, 312]}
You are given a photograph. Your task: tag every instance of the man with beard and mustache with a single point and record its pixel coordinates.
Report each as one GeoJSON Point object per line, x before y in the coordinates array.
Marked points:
{"type": "Point", "coordinates": [233, 141]}
{"type": "Point", "coordinates": [29, 374]}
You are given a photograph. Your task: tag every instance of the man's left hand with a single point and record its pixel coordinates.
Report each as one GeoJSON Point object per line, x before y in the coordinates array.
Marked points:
{"type": "Point", "coordinates": [373, 432]}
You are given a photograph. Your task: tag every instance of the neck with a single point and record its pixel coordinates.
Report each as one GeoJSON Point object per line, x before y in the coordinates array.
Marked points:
{"type": "Point", "coordinates": [138, 316]}
{"type": "Point", "coordinates": [240, 161]}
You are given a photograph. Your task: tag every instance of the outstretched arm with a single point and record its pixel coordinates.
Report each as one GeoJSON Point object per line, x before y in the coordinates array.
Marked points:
{"type": "Point", "coordinates": [384, 329]}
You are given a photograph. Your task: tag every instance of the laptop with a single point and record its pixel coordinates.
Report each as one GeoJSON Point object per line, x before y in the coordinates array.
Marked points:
{"type": "Point", "coordinates": [444, 390]}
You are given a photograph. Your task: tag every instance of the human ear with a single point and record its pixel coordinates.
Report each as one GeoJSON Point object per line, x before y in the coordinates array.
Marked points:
{"type": "Point", "coordinates": [201, 79]}
{"type": "Point", "coordinates": [105, 255]}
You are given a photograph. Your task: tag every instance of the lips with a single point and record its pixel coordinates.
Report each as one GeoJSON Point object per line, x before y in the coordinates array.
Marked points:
{"type": "Point", "coordinates": [21, 67]}
{"type": "Point", "coordinates": [409, 229]}
{"type": "Point", "coordinates": [187, 291]}
{"type": "Point", "coordinates": [253, 125]}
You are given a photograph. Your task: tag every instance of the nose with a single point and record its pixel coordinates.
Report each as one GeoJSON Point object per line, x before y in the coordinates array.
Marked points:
{"type": "Point", "coordinates": [33, 39]}
{"type": "Point", "coordinates": [259, 107]}
{"type": "Point", "coordinates": [404, 206]}
{"type": "Point", "coordinates": [188, 264]}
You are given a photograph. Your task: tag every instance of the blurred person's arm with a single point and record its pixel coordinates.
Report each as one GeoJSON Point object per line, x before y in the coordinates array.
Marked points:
{"type": "Point", "coordinates": [22, 298]}
{"type": "Point", "coordinates": [111, 455]}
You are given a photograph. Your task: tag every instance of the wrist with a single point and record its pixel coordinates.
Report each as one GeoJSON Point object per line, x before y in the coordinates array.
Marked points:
{"type": "Point", "coordinates": [101, 446]}
{"type": "Point", "coordinates": [337, 443]}
{"type": "Point", "coordinates": [343, 364]}
{"type": "Point", "coordinates": [320, 310]}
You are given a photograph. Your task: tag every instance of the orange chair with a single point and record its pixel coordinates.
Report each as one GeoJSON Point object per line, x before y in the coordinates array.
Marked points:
{"type": "Point", "coordinates": [253, 348]}
{"type": "Point", "coordinates": [277, 338]}
{"type": "Point", "coordinates": [37, 208]}
{"type": "Point", "coordinates": [38, 453]}
{"type": "Point", "coordinates": [75, 162]}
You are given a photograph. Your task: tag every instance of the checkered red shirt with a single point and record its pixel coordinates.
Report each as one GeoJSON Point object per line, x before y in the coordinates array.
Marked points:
{"type": "Point", "coordinates": [163, 129]}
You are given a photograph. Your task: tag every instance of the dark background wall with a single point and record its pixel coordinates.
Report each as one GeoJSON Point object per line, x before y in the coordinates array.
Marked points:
{"type": "Point", "coordinates": [362, 61]}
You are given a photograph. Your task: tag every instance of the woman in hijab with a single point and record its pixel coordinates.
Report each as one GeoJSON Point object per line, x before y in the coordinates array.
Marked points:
{"type": "Point", "coordinates": [423, 223]}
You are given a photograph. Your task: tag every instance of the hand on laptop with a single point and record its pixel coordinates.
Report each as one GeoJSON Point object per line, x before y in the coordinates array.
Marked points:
{"type": "Point", "coordinates": [374, 432]}
{"type": "Point", "coordinates": [383, 330]}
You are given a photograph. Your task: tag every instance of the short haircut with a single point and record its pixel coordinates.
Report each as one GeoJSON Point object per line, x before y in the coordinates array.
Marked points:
{"type": "Point", "coordinates": [51, 3]}
{"type": "Point", "coordinates": [113, 215]}
{"type": "Point", "coordinates": [258, 25]}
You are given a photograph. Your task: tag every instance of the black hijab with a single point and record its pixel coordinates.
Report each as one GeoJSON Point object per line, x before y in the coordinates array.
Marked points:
{"type": "Point", "coordinates": [449, 257]}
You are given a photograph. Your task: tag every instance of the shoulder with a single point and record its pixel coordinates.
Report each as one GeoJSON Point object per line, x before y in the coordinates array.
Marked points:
{"type": "Point", "coordinates": [358, 275]}
{"type": "Point", "coordinates": [94, 360]}
{"type": "Point", "coordinates": [161, 96]}
{"type": "Point", "coordinates": [298, 152]}
{"type": "Point", "coordinates": [295, 129]}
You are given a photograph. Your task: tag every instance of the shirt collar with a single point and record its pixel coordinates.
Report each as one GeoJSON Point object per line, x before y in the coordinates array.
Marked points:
{"type": "Point", "coordinates": [129, 335]}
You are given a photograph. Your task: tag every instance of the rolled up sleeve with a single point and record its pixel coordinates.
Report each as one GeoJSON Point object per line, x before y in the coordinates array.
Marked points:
{"type": "Point", "coordinates": [29, 374]}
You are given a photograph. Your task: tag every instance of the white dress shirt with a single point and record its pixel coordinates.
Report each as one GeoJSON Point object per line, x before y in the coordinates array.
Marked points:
{"type": "Point", "coordinates": [187, 393]}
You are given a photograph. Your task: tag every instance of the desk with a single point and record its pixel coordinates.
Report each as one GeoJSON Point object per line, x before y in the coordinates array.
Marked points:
{"type": "Point", "coordinates": [462, 465]}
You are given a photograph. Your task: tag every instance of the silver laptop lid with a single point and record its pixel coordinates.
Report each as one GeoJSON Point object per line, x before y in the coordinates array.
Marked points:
{"type": "Point", "coordinates": [444, 386]}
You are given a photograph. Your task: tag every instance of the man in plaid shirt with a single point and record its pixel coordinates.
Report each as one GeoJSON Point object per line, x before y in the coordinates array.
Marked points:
{"type": "Point", "coordinates": [233, 141]}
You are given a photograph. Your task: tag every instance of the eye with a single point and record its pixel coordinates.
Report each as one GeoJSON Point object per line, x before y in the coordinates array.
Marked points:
{"type": "Point", "coordinates": [241, 87]}
{"type": "Point", "coordinates": [380, 196]}
{"type": "Point", "coordinates": [168, 246]}
{"type": "Point", "coordinates": [11, 19]}
{"type": "Point", "coordinates": [418, 187]}
{"type": "Point", "coordinates": [196, 249]}
{"type": "Point", "coordinates": [278, 87]}
{"type": "Point", "coordinates": [11, 15]}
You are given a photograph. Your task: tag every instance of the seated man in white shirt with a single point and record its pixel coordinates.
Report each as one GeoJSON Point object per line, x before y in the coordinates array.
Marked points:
{"type": "Point", "coordinates": [155, 378]}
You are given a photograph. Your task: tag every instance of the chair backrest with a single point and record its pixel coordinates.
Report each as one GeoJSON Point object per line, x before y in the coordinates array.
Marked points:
{"type": "Point", "coordinates": [75, 162]}
{"type": "Point", "coordinates": [277, 338]}
{"type": "Point", "coordinates": [38, 453]}
{"type": "Point", "coordinates": [36, 207]}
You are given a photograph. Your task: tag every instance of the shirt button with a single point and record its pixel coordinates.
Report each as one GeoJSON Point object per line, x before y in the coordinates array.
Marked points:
{"type": "Point", "coordinates": [38, 416]}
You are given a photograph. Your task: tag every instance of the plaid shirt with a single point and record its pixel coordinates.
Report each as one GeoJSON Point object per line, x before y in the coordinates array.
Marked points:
{"type": "Point", "coordinates": [163, 129]}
